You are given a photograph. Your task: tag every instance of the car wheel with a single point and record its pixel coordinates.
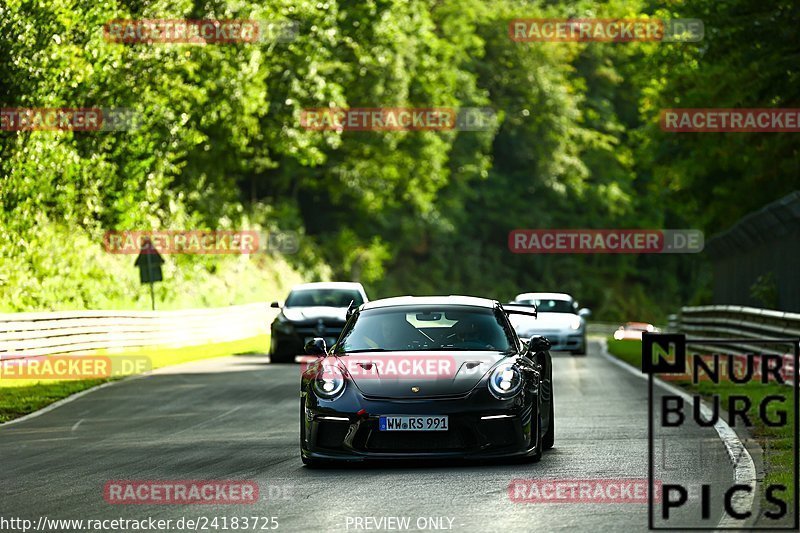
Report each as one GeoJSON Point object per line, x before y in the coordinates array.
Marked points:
{"type": "Point", "coordinates": [550, 436]}
{"type": "Point", "coordinates": [581, 350]}
{"type": "Point", "coordinates": [279, 354]}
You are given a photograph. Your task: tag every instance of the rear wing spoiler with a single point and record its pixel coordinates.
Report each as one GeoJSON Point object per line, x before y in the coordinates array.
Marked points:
{"type": "Point", "coordinates": [529, 310]}
{"type": "Point", "coordinates": [351, 308]}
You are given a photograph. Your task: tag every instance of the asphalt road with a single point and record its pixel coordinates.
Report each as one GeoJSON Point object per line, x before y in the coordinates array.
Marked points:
{"type": "Point", "coordinates": [237, 418]}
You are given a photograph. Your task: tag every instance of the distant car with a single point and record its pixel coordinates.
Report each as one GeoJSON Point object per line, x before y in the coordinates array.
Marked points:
{"type": "Point", "coordinates": [633, 331]}
{"type": "Point", "coordinates": [312, 310]}
{"type": "Point", "coordinates": [559, 319]}
{"type": "Point", "coordinates": [435, 377]}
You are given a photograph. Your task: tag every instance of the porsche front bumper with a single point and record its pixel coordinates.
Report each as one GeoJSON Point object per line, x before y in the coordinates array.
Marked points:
{"type": "Point", "coordinates": [480, 427]}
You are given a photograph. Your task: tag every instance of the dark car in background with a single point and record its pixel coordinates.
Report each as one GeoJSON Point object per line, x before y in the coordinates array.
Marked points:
{"type": "Point", "coordinates": [312, 310]}
{"type": "Point", "coordinates": [427, 378]}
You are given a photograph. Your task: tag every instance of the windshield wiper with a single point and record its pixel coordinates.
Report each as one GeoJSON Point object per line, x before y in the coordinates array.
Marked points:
{"type": "Point", "coordinates": [364, 350]}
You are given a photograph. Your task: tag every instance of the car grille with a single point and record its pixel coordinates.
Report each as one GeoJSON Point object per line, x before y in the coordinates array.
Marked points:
{"type": "Point", "coordinates": [328, 330]}
{"type": "Point", "coordinates": [558, 339]}
{"type": "Point", "coordinates": [500, 432]}
{"type": "Point", "coordinates": [331, 434]}
{"type": "Point", "coordinates": [464, 436]}
{"type": "Point", "coordinates": [417, 441]}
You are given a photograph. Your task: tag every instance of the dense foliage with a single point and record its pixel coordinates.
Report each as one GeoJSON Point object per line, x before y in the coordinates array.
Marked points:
{"type": "Point", "coordinates": [222, 146]}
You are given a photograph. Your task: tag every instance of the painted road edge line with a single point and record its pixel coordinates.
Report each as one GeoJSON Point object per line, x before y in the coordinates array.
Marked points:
{"type": "Point", "coordinates": [57, 404]}
{"type": "Point", "coordinates": [71, 398]}
{"type": "Point", "coordinates": [744, 469]}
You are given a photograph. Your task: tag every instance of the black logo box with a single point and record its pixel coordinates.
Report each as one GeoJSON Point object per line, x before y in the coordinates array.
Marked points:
{"type": "Point", "coordinates": [678, 366]}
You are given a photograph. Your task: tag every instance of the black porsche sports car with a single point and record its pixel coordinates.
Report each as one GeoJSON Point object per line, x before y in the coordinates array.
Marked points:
{"type": "Point", "coordinates": [425, 378]}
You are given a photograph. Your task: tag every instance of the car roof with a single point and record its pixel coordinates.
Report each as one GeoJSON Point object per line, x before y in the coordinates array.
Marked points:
{"type": "Point", "coordinates": [328, 285]}
{"type": "Point", "coordinates": [430, 300]}
{"type": "Point", "coordinates": [544, 296]}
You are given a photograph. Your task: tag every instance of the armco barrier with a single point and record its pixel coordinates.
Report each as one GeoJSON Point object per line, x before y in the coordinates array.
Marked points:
{"type": "Point", "coordinates": [721, 322]}
{"type": "Point", "coordinates": [25, 335]}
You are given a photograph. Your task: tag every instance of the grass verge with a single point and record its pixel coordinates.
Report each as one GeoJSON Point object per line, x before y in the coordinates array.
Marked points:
{"type": "Point", "coordinates": [629, 351]}
{"type": "Point", "coordinates": [19, 397]}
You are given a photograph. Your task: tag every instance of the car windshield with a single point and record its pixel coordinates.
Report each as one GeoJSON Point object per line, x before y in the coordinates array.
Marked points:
{"type": "Point", "coordinates": [427, 328]}
{"type": "Point", "coordinates": [323, 297]}
{"type": "Point", "coordinates": [551, 306]}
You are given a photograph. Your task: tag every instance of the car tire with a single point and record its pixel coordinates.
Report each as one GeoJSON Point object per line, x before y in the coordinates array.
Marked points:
{"type": "Point", "coordinates": [581, 350]}
{"type": "Point", "coordinates": [279, 354]}
{"type": "Point", "coordinates": [550, 436]}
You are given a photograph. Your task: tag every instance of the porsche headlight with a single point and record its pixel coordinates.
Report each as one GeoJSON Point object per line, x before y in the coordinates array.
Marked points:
{"type": "Point", "coordinates": [329, 382]}
{"type": "Point", "coordinates": [505, 381]}
{"type": "Point", "coordinates": [576, 323]}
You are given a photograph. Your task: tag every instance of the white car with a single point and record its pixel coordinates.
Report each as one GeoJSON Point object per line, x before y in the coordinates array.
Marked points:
{"type": "Point", "coordinates": [559, 319]}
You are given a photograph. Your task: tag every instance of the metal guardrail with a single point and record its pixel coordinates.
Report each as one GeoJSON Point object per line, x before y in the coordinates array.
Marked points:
{"type": "Point", "coordinates": [748, 325]}
{"type": "Point", "coordinates": [24, 335]}
{"type": "Point", "coordinates": [737, 322]}
{"type": "Point", "coordinates": [673, 322]}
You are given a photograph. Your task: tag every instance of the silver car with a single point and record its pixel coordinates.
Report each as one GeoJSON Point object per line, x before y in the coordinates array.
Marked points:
{"type": "Point", "coordinates": [559, 319]}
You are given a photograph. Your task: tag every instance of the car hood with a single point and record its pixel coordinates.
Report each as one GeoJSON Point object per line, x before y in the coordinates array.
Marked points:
{"type": "Point", "coordinates": [302, 314]}
{"type": "Point", "coordinates": [543, 322]}
{"type": "Point", "coordinates": [439, 373]}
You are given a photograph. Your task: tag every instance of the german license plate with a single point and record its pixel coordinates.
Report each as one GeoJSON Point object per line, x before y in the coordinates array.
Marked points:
{"type": "Point", "coordinates": [413, 423]}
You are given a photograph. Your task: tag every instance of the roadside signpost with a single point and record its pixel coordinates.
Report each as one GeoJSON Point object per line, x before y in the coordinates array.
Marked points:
{"type": "Point", "coordinates": [149, 262]}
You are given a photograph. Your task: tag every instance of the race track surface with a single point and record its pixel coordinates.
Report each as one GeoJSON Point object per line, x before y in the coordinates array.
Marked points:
{"type": "Point", "coordinates": [236, 418]}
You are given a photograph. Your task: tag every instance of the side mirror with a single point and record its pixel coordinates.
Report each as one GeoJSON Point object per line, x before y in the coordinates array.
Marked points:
{"type": "Point", "coordinates": [275, 305]}
{"type": "Point", "coordinates": [585, 312]}
{"type": "Point", "coordinates": [316, 346]}
{"type": "Point", "coordinates": [537, 343]}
